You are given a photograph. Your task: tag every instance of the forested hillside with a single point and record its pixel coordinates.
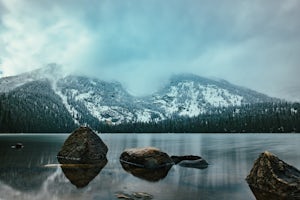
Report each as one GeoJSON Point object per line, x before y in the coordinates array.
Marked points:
{"type": "Point", "coordinates": [257, 118]}
{"type": "Point", "coordinates": [45, 101]}
{"type": "Point", "coordinates": [34, 107]}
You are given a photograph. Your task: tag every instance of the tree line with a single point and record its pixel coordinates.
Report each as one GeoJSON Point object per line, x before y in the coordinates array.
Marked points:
{"type": "Point", "coordinates": [35, 108]}
{"type": "Point", "coordinates": [281, 117]}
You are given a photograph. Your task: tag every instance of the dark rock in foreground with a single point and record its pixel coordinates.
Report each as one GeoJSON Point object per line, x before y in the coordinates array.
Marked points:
{"type": "Point", "coordinates": [82, 156]}
{"type": "Point", "coordinates": [272, 178]}
{"type": "Point", "coordinates": [82, 146]}
{"type": "Point", "coordinates": [148, 157]}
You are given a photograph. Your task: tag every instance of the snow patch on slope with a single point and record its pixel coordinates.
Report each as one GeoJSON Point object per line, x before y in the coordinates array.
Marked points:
{"type": "Point", "coordinates": [190, 99]}
{"type": "Point", "coordinates": [73, 112]}
{"type": "Point", "coordinates": [219, 97]}
{"type": "Point", "coordinates": [143, 115]}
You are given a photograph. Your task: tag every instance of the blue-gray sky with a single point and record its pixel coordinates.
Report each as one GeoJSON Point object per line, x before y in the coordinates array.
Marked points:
{"type": "Point", "coordinates": [140, 43]}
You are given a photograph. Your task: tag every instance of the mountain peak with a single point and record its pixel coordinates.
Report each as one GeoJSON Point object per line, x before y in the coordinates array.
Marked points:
{"type": "Point", "coordinates": [50, 71]}
{"type": "Point", "coordinates": [186, 77]}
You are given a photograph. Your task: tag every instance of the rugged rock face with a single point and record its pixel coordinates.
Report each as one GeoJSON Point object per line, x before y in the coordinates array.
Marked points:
{"type": "Point", "coordinates": [272, 178]}
{"type": "Point", "coordinates": [83, 146]}
{"type": "Point", "coordinates": [148, 157]}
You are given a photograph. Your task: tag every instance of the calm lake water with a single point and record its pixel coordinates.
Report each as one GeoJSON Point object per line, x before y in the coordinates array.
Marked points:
{"type": "Point", "coordinates": [23, 174]}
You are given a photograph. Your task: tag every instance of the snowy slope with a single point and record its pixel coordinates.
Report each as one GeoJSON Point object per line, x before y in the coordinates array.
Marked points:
{"type": "Point", "coordinates": [51, 72]}
{"type": "Point", "coordinates": [190, 95]}
{"type": "Point", "coordinates": [105, 101]}
{"type": "Point", "coordinates": [90, 100]}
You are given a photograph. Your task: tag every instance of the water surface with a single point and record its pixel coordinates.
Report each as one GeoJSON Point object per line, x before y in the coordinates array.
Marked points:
{"type": "Point", "coordinates": [23, 174]}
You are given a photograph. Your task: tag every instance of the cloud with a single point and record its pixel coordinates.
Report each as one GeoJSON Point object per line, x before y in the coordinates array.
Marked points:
{"type": "Point", "coordinates": [250, 43]}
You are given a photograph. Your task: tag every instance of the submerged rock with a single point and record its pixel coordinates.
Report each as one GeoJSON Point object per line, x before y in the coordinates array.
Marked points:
{"type": "Point", "coordinates": [272, 178]}
{"type": "Point", "coordinates": [178, 159]}
{"type": "Point", "coordinates": [198, 164]}
{"type": "Point", "coordinates": [134, 196]}
{"type": "Point", "coordinates": [148, 157]}
{"type": "Point", "coordinates": [17, 146]}
{"type": "Point", "coordinates": [83, 146]}
{"type": "Point", "coordinates": [190, 161]}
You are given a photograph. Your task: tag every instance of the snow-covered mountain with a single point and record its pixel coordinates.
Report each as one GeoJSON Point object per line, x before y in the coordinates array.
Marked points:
{"type": "Point", "coordinates": [191, 95]}
{"type": "Point", "coordinates": [90, 100]}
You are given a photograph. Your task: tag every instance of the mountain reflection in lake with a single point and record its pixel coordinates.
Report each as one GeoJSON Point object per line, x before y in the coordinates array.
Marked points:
{"type": "Point", "coordinates": [23, 174]}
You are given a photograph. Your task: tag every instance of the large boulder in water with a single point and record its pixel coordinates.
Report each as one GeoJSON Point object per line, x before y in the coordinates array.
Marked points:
{"type": "Point", "coordinates": [83, 146]}
{"type": "Point", "coordinates": [147, 157]}
{"type": "Point", "coordinates": [272, 178]}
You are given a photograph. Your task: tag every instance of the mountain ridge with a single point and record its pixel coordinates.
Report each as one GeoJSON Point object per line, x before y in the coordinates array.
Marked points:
{"type": "Point", "coordinates": [91, 100]}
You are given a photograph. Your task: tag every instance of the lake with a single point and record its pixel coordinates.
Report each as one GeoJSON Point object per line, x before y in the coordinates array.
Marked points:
{"type": "Point", "coordinates": [24, 174]}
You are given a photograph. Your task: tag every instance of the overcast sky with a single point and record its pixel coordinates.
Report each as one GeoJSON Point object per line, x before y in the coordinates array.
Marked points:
{"type": "Point", "coordinates": [140, 43]}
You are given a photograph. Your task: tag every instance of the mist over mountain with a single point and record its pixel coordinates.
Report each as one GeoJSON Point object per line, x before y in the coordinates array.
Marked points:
{"type": "Point", "coordinates": [66, 101]}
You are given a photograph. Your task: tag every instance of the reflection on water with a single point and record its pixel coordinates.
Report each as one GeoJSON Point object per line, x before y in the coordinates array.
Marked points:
{"type": "Point", "coordinates": [152, 175]}
{"type": "Point", "coordinates": [23, 175]}
{"type": "Point", "coordinates": [264, 195]}
{"type": "Point", "coordinates": [81, 175]}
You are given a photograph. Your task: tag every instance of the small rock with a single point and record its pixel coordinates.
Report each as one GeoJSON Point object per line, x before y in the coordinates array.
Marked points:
{"type": "Point", "coordinates": [148, 157]}
{"type": "Point", "coordinates": [134, 196]}
{"type": "Point", "coordinates": [17, 146]}
{"type": "Point", "coordinates": [123, 196]}
{"type": "Point", "coordinates": [190, 161]}
{"type": "Point", "coordinates": [199, 164]}
{"type": "Point", "coordinates": [142, 195]}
